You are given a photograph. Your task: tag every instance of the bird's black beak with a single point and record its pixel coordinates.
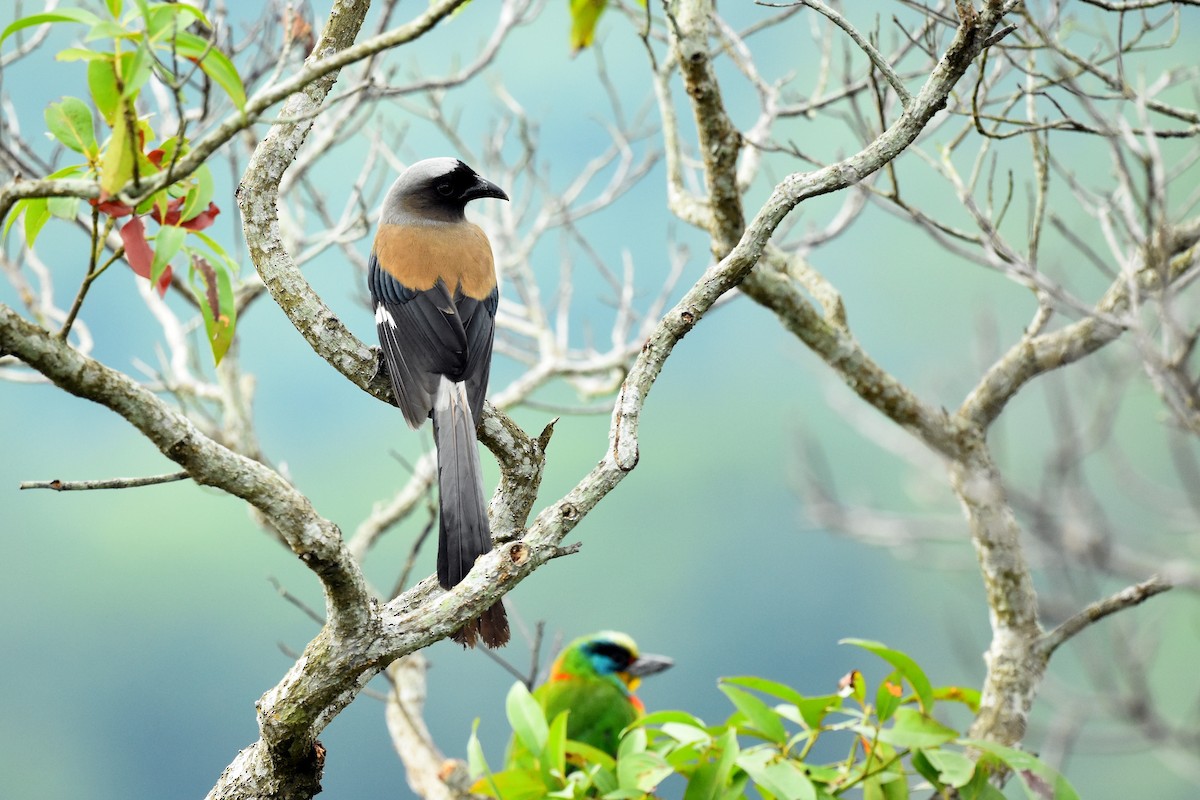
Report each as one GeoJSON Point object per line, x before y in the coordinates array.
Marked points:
{"type": "Point", "coordinates": [648, 664]}
{"type": "Point", "coordinates": [483, 188]}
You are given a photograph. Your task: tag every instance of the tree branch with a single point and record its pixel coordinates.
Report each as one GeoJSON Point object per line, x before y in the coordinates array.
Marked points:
{"type": "Point", "coordinates": [110, 483]}
{"type": "Point", "coordinates": [1126, 598]}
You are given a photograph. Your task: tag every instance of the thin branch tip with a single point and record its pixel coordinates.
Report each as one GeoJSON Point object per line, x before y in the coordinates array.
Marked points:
{"type": "Point", "coordinates": [1128, 597]}
{"type": "Point", "coordinates": [60, 485]}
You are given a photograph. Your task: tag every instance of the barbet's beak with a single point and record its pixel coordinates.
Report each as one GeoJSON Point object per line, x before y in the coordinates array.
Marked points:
{"type": "Point", "coordinates": [648, 664]}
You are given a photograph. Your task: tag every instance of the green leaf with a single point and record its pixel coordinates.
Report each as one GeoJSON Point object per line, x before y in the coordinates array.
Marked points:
{"type": "Point", "coordinates": [894, 786]}
{"type": "Point", "coordinates": [663, 717]}
{"type": "Point", "coordinates": [604, 779]}
{"type": "Point", "coordinates": [907, 667]}
{"type": "Point", "coordinates": [215, 64]}
{"type": "Point", "coordinates": [107, 29]}
{"type": "Point", "coordinates": [768, 687]}
{"type": "Point", "coordinates": [512, 784]}
{"type": "Point", "coordinates": [810, 711]}
{"type": "Point", "coordinates": [145, 166]}
{"type": "Point", "coordinates": [684, 758]}
{"type": "Point", "coordinates": [116, 163]}
{"type": "Point", "coordinates": [218, 251]}
{"type": "Point", "coordinates": [885, 786]}
{"type": "Point", "coordinates": [888, 697]}
{"type": "Point", "coordinates": [958, 694]}
{"type": "Point", "coordinates": [162, 18]}
{"type": "Point", "coordinates": [911, 728]}
{"type": "Point", "coordinates": [114, 7]}
{"type": "Point", "coordinates": [18, 209]}
{"type": "Point", "coordinates": [813, 710]}
{"type": "Point", "coordinates": [584, 16]}
{"type": "Point", "coordinates": [710, 778]}
{"type": "Point", "coordinates": [554, 754]}
{"type": "Point", "coordinates": [762, 717]}
{"type": "Point", "coordinates": [79, 54]}
{"type": "Point", "coordinates": [527, 719]}
{"type": "Point", "coordinates": [37, 213]}
{"type": "Point", "coordinates": [102, 81]}
{"type": "Point", "coordinates": [634, 741]}
{"type": "Point", "coordinates": [737, 788]}
{"type": "Point", "coordinates": [590, 755]}
{"type": "Point", "coordinates": [62, 15]}
{"type": "Point", "coordinates": [980, 787]}
{"type": "Point", "coordinates": [730, 751]}
{"type": "Point", "coordinates": [135, 71]}
{"type": "Point", "coordinates": [63, 207]}
{"type": "Point", "coordinates": [25, 208]}
{"type": "Point", "coordinates": [476, 761]}
{"type": "Point", "coordinates": [70, 122]}
{"type": "Point", "coordinates": [167, 242]}
{"type": "Point", "coordinates": [953, 768]}
{"type": "Point", "coordinates": [702, 785]}
{"type": "Point", "coordinates": [922, 765]}
{"type": "Point", "coordinates": [1041, 781]}
{"type": "Point", "coordinates": [782, 777]}
{"type": "Point", "coordinates": [199, 195]}
{"type": "Point", "coordinates": [642, 771]}
{"type": "Point", "coordinates": [685, 733]}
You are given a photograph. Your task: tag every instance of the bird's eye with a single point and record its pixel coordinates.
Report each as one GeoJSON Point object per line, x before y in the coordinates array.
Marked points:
{"type": "Point", "coordinates": [445, 189]}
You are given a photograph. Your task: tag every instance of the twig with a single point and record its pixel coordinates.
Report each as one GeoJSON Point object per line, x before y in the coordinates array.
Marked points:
{"type": "Point", "coordinates": [297, 602]}
{"type": "Point", "coordinates": [876, 57]}
{"type": "Point", "coordinates": [416, 548]}
{"type": "Point", "coordinates": [108, 483]}
{"type": "Point", "coordinates": [502, 662]}
{"type": "Point", "coordinates": [1126, 598]}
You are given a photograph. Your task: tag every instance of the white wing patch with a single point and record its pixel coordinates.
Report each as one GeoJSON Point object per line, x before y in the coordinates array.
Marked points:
{"type": "Point", "coordinates": [382, 315]}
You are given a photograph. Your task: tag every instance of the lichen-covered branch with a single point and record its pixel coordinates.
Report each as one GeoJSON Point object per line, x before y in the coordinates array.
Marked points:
{"type": "Point", "coordinates": [1015, 665]}
{"type": "Point", "coordinates": [315, 540]}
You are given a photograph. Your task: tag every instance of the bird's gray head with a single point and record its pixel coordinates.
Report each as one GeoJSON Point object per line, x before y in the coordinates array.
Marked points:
{"type": "Point", "coordinates": [436, 189]}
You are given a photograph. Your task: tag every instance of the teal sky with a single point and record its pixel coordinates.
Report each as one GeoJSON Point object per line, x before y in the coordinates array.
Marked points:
{"type": "Point", "coordinates": [141, 626]}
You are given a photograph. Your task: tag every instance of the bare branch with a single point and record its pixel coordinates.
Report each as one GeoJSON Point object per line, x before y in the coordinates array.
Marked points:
{"type": "Point", "coordinates": [1126, 598]}
{"type": "Point", "coordinates": [110, 483]}
{"type": "Point", "coordinates": [876, 57]}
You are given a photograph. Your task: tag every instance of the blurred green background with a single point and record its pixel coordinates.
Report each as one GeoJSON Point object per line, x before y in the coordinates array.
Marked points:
{"type": "Point", "coordinates": [140, 627]}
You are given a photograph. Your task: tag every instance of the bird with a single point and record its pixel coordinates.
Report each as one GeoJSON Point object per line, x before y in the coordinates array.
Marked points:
{"type": "Point", "coordinates": [432, 279]}
{"type": "Point", "coordinates": [594, 678]}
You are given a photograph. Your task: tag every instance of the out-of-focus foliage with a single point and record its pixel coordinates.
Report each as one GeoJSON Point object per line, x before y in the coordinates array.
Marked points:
{"type": "Point", "coordinates": [895, 745]}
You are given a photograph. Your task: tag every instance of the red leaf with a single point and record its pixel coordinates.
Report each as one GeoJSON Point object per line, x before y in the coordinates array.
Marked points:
{"type": "Point", "coordinates": [173, 207]}
{"type": "Point", "coordinates": [138, 252]}
{"type": "Point", "coordinates": [155, 156]}
{"type": "Point", "coordinates": [112, 208]}
{"type": "Point", "coordinates": [164, 281]}
{"type": "Point", "coordinates": [203, 219]}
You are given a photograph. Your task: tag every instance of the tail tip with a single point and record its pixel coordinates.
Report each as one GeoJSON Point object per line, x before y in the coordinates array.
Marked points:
{"type": "Point", "coordinates": [490, 627]}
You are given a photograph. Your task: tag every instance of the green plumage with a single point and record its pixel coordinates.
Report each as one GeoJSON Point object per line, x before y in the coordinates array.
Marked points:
{"type": "Point", "coordinates": [594, 680]}
{"type": "Point", "coordinates": [600, 705]}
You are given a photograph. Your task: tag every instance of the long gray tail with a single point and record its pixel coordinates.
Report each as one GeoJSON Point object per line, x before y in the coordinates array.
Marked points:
{"type": "Point", "coordinates": [463, 530]}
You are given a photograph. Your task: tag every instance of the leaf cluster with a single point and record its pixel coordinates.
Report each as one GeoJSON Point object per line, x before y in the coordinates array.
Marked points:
{"type": "Point", "coordinates": [895, 745]}
{"type": "Point", "coordinates": [126, 49]}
